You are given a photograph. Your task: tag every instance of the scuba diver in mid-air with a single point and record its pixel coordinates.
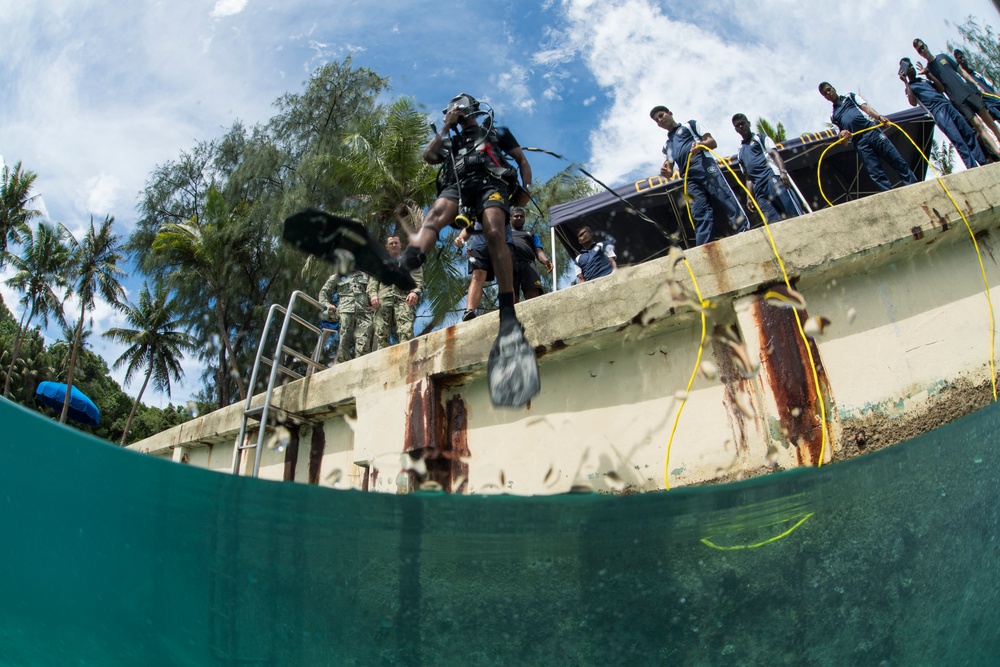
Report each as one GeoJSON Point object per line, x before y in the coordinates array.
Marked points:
{"type": "Point", "coordinates": [478, 181]}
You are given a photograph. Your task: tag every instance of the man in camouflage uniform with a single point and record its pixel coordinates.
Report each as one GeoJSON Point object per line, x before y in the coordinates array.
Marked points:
{"type": "Point", "coordinates": [394, 306]}
{"type": "Point", "coordinates": [355, 317]}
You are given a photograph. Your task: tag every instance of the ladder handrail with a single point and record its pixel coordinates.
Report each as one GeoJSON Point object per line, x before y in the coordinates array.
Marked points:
{"type": "Point", "coordinates": [276, 367]}
{"type": "Point", "coordinates": [253, 381]}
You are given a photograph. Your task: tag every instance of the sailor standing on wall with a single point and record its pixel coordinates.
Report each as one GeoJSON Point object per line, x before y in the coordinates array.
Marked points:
{"type": "Point", "coordinates": [705, 182]}
{"type": "Point", "coordinates": [852, 114]}
{"type": "Point", "coordinates": [767, 177]}
{"type": "Point", "coordinates": [962, 90]}
{"type": "Point", "coordinates": [949, 121]}
{"type": "Point", "coordinates": [595, 260]}
{"type": "Point", "coordinates": [986, 89]}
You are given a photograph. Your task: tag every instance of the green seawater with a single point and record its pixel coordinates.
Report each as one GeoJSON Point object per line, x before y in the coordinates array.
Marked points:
{"type": "Point", "coordinates": [115, 558]}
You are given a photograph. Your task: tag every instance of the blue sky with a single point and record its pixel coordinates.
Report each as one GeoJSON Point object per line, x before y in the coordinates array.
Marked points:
{"type": "Point", "coordinates": [95, 93]}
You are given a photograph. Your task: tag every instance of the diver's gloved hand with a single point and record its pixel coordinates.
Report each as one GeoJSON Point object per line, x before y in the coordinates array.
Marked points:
{"type": "Point", "coordinates": [411, 259]}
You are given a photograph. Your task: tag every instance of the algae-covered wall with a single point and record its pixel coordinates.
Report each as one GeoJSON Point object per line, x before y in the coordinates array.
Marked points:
{"type": "Point", "coordinates": [898, 340]}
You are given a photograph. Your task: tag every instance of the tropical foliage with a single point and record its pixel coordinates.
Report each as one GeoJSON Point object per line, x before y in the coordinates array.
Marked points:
{"type": "Point", "coordinates": [154, 344]}
{"type": "Point", "coordinates": [15, 202]}
{"type": "Point", "coordinates": [40, 277]}
{"type": "Point", "coordinates": [207, 241]}
{"type": "Point", "coordinates": [95, 263]}
{"type": "Point", "coordinates": [981, 46]}
{"type": "Point", "coordinates": [776, 133]}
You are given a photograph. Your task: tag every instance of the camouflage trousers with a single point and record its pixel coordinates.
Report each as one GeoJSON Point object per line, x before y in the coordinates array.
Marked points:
{"type": "Point", "coordinates": [393, 313]}
{"type": "Point", "coordinates": [355, 335]}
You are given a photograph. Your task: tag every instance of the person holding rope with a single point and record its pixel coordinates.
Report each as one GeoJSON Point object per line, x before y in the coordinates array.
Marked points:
{"type": "Point", "coordinates": [949, 121]}
{"type": "Point", "coordinates": [686, 155]}
{"type": "Point", "coordinates": [767, 177]}
{"type": "Point", "coordinates": [852, 115]}
{"type": "Point", "coordinates": [482, 183]}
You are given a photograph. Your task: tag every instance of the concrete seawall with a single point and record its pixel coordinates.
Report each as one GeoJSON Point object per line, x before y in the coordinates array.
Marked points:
{"type": "Point", "coordinates": [908, 347]}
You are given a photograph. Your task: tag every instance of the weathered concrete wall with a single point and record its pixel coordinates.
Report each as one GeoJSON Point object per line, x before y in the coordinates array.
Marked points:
{"type": "Point", "coordinates": [908, 347]}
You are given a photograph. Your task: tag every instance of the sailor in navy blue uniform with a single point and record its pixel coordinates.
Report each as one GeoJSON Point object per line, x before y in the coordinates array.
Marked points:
{"type": "Point", "coordinates": [986, 89]}
{"type": "Point", "coordinates": [852, 114]}
{"type": "Point", "coordinates": [949, 121]}
{"type": "Point", "coordinates": [705, 182]}
{"type": "Point", "coordinates": [948, 78]}
{"type": "Point", "coordinates": [595, 260]}
{"type": "Point", "coordinates": [767, 177]}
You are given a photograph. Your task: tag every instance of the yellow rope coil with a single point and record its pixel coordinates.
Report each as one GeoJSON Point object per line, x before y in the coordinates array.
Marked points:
{"type": "Point", "coordinates": [708, 542]}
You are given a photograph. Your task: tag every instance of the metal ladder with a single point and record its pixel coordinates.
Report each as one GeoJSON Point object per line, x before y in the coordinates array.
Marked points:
{"type": "Point", "coordinates": [266, 411]}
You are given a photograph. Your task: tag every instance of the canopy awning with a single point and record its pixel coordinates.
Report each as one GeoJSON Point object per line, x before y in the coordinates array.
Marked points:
{"type": "Point", "coordinates": [636, 240]}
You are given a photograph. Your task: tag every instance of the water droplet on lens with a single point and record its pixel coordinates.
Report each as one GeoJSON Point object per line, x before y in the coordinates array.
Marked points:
{"type": "Point", "coordinates": [280, 439]}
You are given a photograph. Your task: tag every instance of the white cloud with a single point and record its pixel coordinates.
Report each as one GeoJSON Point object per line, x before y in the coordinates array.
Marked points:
{"type": "Point", "coordinates": [514, 83]}
{"type": "Point", "coordinates": [225, 8]}
{"type": "Point", "coordinates": [101, 194]}
{"type": "Point", "coordinates": [707, 62]}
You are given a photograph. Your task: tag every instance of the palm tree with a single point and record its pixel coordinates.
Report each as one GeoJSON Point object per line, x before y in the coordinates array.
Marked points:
{"type": "Point", "coordinates": [39, 273]}
{"type": "Point", "coordinates": [204, 249]}
{"type": "Point", "coordinates": [62, 348]}
{"type": "Point", "coordinates": [777, 134]}
{"type": "Point", "coordinates": [96, 261]}
{"type": "Point", "coordinates": [15, 198]}
{"type": "Point", "coordinates": [383, 166]}
{"type": "Point", "coordinates": [943, 157]}
{"type": "Point", "coordinates": [153, 343]}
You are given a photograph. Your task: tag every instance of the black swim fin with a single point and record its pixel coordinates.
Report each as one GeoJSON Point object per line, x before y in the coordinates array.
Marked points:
{"type": "Point", "coordinates": [512, 369]}
{"type": "Point", "coordinates": [322, 234]}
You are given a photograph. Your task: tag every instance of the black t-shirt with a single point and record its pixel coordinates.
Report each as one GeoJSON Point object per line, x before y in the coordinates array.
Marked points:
{"type": "Point", "coordinates": [524, 246]}
{"type": "Point", "coordinates": [945, 69]}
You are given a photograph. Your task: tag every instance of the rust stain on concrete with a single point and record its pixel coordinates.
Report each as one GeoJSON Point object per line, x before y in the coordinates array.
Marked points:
{"type": "Point", "coordinates": [718, 264]}
{"type": "Point", "coordinates": [424, 419]}
{"type": "Point", "coordinates": [437, 433]}
{"type": "Point", "coordinates": [452, 463]}
{"type": "Point", "coordinates": [788, 371]}
{"type": "Point", "coordinates": [317, 445]}
{"type": "Point", "coordinates": [733, 382]}
{"type": "Point", "coordinates": [414, 363]}
{"type": "Point", "coordinates": [291, 453]}
{"type": "Point", "coordinates": [935, 217]}
{"type": "Point", "coordinates": [554, 346]}
{"type": "Point", "coordinates": [448, 348]}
